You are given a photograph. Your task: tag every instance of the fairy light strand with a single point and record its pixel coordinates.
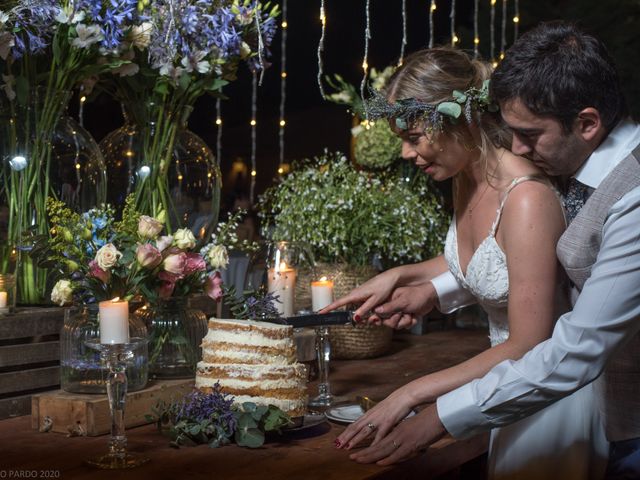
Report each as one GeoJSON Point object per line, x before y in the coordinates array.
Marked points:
{"type": "Point", "coordinates": [404, 32]}
{"type": "Point", "coordinates": [323, 21]}
{"type": "Point", "coordinates": [516, 19]}
{"type": "Point", "coordinates": [283, 82]}
{"type": "Point", "coordinates": [432, 8]}
{"type": "Point", "coordinates": [254, 109]}
{"type": "Point", "coordinates": [503, 30]}
{"type": "Point", "coordinates": [476, 31]}
{"type": "Point", "coordinates": [260, 45]}
{"type": "Point", "coordinates": [365, 64]}
{"type": "Point", "coordinates": [452, 18]}
{"type": "Point", "coordinates": [218, 131]}
{"type": "Point", "coordinates": [492, 52]}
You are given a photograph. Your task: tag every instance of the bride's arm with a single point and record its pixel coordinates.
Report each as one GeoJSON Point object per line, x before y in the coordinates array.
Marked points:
{"type": "Point", "coordinates": [531, 225]}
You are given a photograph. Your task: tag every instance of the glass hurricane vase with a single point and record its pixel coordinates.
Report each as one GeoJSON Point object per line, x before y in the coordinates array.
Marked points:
{"type": "Point", "coordinates": [81, 369]}
{"type": "Point", "coordinates": [169, 168]}
{"type": "Point", "coordinates": [55, 157]}
{"type": "Point", "coordinates": [175, 334]}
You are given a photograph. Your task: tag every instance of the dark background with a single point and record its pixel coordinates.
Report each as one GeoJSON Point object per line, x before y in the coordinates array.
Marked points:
{"type": "Point", "coordinates": [314, 124]}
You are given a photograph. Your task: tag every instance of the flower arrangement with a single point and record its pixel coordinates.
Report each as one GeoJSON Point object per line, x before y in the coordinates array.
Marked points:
{"type": "Point", "coordinates": [351, 216]}
{"type": "Point", "coordinates": [186, 49]}
{"type": "Point", "coordinates": [214, 419]}
{"type": "Point", "coordinates": [47, 47]}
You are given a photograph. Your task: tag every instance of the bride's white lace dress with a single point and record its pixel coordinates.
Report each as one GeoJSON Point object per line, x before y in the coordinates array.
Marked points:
{"type": "Point", "coordinates": [564, 441]}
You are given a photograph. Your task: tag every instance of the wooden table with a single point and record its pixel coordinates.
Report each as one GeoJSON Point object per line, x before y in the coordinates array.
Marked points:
{"type": "Point", "coordinates": [308, 455]}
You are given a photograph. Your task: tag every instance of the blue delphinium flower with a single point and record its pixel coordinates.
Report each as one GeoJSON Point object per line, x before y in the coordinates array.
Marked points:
{"type": "Point", "coordinates": [208, 406]}
{"type": "Point", "coordinates": [36, 18]}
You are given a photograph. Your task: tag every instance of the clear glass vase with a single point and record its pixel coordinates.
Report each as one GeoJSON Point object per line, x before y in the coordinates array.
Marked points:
{"type": "Point", "coordinates": [175, 334]}
{"type": "Point", "coordinates": [81, 370]}
{"type": "Point", "coordinates": [168, 167]}
{"type": "Point", "coordinates": [59, 159]}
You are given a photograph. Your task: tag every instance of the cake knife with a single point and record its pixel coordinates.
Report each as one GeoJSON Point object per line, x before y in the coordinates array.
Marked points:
{"type": "Point", "coordinates": [315, 319]}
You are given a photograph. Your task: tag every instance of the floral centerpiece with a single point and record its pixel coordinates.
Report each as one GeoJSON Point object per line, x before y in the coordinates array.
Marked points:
{"type": "Point", "coordinates": [214, 419]}
{"type": "Point", "coordinates": [187, 48]}
{"type": "Point", "coordinates": [47, 47]}
{"type": "Point", "coordinates": [352, 216]}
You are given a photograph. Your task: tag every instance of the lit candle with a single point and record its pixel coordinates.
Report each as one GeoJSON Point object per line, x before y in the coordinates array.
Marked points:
{"type": "Point", "coordinates": [3, 299]}
{"type": "Point", "coordinates": [282, 282]}
{"type": "Point", "coordinates": [114, 321]}
{"type": "Point", "coordinates": [321, 294]}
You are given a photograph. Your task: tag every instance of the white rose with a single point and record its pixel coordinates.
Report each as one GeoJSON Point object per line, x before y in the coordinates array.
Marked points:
{"type": "Point", "coordinates": [62, 292]}
{"type": "Point", "coordinates": [164, 242]}
{"type": "Point", "coordinates": [184, 239]}
{"type": "Point", "coordinates": [141, 35]}
{"type": "Point", "coordinates": [149, 227]}
{"type": "Point", "coordinates": [218, 257]}
{"type": "Point", "coordinates": [107, 256]}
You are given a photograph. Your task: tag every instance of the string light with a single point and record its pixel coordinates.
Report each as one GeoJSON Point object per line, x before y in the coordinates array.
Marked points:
{"type": "Point", "coordinates": [254, 109]}
{"type": "Point", "coordinates": [283, 83]}
{"type": "Point", "coordinates": [404, 32]}
{"type": "Point", "coordinates": [516, 20]}
{"type": "Point", "coordinates": [476, 32]}
{"type": "Point", "coordinates": [432, 9]}
{"type": "Point", "coordinates": [492, 52]}
{"type": "Point", "coordinates": [219, 131]}
{"type": "Point", "coordinates": [503, 38]}
{"type": "Point", "coordinates": [365, 62]}
{"type": "Point", "coordinates": [83, 99]}
{"type": "Point", "coordinates": [452, 17]}
{"type": "Point", "coordinates": [260, 45]}
{"type": "Point", "coordinates": [323, 21]}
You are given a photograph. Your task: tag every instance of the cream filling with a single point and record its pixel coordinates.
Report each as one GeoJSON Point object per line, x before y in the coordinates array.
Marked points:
{"type": "Point", "coordinates": [284, 405]}
{"type": "Point", "coordinates": [244, 357]}
{"type": "Point", "coordinates": [242, 384]}
{"type": "Point", "coordinates": [253, 339]}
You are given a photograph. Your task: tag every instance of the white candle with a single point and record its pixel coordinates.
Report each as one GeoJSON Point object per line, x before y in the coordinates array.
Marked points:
{"type": "Point", "coordinates": [3, 299]}
{"type": "Point", "coordinates": [281, 282]}
{"type": "Point", "coordinates": [114, 321]}
{"type": "Point", "coordinates": [321, 294]}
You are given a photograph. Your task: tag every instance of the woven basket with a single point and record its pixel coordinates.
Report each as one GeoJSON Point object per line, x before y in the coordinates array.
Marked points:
{"type": "Point", "coordinates": [347, 342]}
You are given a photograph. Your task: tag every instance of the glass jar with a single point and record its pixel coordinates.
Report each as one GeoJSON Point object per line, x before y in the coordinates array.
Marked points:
{"type": "Point", "coordinates": [81, 370]}
{"type": "Point", "coordinates": [175, 335]}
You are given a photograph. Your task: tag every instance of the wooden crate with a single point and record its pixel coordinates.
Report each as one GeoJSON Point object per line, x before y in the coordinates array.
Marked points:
{"type": "Point", "coordinates": [78, 414]}
{"type": "Point", "coordinates": [29, 357]}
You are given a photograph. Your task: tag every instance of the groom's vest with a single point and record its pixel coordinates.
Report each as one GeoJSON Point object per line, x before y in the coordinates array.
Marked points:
{"type": "Point", "coordinates": [619, 386]}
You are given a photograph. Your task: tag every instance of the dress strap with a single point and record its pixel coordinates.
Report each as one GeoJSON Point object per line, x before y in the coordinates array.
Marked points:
{"type": "Point", "coordinates": [514, 183]}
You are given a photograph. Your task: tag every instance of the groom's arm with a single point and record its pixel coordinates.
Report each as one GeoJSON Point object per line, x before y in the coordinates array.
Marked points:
{"type": "Point", "coordinates": [606, 316]}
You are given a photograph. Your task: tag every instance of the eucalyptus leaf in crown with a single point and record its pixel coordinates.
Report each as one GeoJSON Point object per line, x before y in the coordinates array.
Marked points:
{"type": "Point", "coordinates": [186, 48]}
{"type": "Point", "coordinates": [350, 216]}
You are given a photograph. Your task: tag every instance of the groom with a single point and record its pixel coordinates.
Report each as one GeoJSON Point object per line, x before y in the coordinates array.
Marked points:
{"type": "Point", "coordinates": [559, 94]}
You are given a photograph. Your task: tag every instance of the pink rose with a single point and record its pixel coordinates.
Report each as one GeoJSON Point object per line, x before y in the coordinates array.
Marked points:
{"type": "Point", "coordinates": [213, 286]}
{"type": "Point", "coordinates": [194, 263]}
{"type": "Point", "coordinates": [175, 263]}
{"type": "Point", "coordinates": [167, 284]}
{"type": "Point", "coordinates": [95, 271]}
{"type": "Point", "coordinates": [148, 256]}
{"type": "Point", "coordinates": [149, 227]}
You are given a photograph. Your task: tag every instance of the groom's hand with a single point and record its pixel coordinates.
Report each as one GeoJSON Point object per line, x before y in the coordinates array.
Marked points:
{"type": "Point", "coordinates": [406, 306]}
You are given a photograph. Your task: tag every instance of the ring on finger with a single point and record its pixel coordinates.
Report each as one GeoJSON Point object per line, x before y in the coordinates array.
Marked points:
{"type": "Point", "coordinates": [371, 426]}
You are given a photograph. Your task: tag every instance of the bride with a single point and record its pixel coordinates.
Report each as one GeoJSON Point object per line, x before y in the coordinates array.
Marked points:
{"type": "Point", "coordinates": [500, 247]}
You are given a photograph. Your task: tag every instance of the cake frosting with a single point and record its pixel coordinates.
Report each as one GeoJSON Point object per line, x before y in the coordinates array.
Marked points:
{"type": "Point", "coordinates": [254, 362]}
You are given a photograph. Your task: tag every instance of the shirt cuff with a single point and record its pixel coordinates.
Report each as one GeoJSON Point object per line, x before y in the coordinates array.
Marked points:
{"type": "Point", "coordinates": [459, 413]}
{"type": "Point", "coordinates": [451, 295]}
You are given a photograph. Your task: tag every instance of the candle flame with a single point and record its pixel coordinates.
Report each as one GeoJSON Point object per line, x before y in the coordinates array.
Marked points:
{"type": "Point", "coordinates": [283, 266]}
{"type": "Point", "coordinates": [323, 279]}
{"type": "Point", "coordinates": [116, 299]}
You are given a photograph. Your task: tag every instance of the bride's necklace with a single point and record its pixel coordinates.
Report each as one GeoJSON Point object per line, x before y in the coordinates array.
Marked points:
{"type": "Point", "coordinates": [471, 208]}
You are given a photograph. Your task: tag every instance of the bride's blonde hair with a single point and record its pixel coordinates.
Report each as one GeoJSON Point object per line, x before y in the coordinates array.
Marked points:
{"type": "Point", "coordinates": [431, 76]}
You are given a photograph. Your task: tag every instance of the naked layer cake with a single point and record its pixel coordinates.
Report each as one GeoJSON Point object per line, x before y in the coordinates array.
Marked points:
{"type": "Point", "coordinates": [254, 362]}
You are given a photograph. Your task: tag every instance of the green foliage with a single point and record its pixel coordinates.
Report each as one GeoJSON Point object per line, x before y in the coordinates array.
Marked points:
{"type": "Point", "coordinates": [377, 146]}
{"type": "Point", "coordinates": [346, 215]}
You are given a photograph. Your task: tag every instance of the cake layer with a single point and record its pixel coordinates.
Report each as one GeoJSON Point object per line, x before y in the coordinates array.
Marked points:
{"type": "Point", "coordinates": [234, 354]}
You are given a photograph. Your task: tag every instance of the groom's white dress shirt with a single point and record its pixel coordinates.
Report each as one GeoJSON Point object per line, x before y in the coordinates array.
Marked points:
{"type": "Point", "coordinates": [605, 315]}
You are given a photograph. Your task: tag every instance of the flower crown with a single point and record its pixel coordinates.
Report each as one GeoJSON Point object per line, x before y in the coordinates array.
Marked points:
{"type": "Point", "coordinates": [409, 110]}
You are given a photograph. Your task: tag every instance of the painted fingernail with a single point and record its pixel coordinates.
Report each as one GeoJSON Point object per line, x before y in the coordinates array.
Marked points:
{"type": "Point", "coordinates": [357, 318]}
{"type": "Point", "coordinates": [338, 443]}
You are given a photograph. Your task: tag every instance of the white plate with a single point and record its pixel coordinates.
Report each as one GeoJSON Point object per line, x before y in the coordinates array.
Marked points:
{"type": "Point", "coordinates": [349, 413]}
{"type": "Point", "coordinates": [345, 413]}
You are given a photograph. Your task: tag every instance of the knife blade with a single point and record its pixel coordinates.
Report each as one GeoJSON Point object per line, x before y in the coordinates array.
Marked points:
{"type": "Point", "coordinates": [315, 319]}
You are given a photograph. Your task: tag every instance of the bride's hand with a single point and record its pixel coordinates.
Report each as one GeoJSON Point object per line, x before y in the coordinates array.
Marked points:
{"type": "Point", "coordinates": [369, 295]}
{"type": "Point", "coordinates": [378, 421]}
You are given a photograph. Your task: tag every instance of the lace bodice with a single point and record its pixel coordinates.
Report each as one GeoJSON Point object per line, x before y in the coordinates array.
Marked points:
{"type": "Point", "coordinates": [487, 277]}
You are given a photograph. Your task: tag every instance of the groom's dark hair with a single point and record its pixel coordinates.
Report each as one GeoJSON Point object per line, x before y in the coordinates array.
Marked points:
{"type": "Point", "coordinates": [557, 70]}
